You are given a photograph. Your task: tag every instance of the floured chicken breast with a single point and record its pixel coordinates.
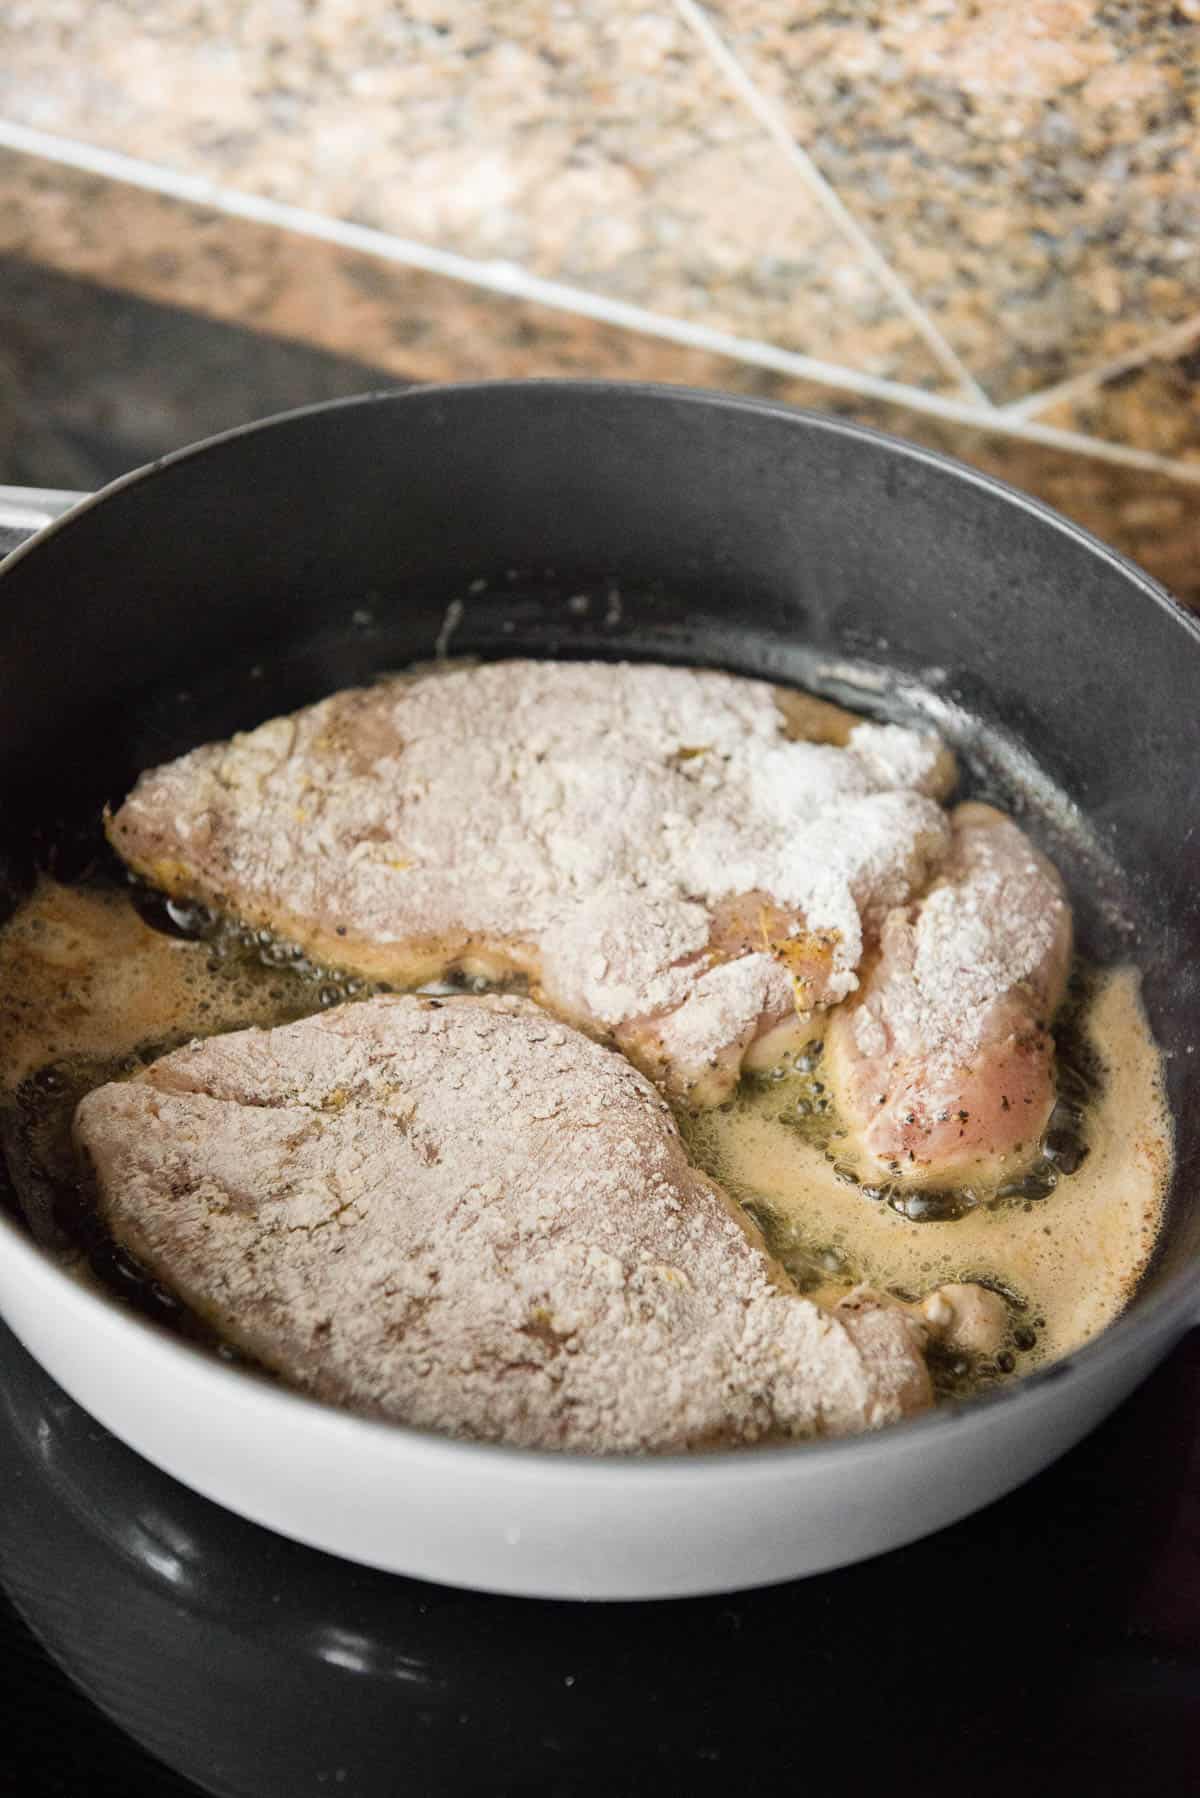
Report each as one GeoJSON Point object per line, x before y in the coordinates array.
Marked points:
{"type": "Point", "coordinates": [943, 1063]}
{"type": "Point", "coordinates": [465, 1217]}
{"type": "Point", "coordinates": [649, 845]}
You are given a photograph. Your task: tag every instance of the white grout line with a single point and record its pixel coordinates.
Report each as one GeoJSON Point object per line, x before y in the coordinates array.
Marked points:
{"type": "Point", "coordinates": [1171, 342]}
{"type": "Point", "coordinates": [827, 198]}
{"type": "Point", "coordinates": [516, 283]}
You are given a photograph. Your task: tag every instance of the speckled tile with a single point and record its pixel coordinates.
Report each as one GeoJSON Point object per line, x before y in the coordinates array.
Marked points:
{"type": "Point", "coordinates": [397, 319]}
{"type": "Point", "coordinates": [591, 143]}
{"type": "Point", "coordinates": [1033, 170]}
{"type": "Point", "coordinates": [400, 323]}
{"type": "Point", "coordinates": [1155, 406]}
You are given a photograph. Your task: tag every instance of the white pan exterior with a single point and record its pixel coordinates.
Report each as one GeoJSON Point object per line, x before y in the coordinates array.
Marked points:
{"type": "Point", "coordinates": [538, 1524]}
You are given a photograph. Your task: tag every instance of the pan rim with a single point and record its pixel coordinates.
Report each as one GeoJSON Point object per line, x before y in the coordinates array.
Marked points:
{"type": "Point", "coordinates": [713, 398]}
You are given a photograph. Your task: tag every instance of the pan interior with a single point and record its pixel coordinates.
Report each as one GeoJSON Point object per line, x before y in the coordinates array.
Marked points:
{"type": "Point", "coordinates": [271, 567]}
{"type": "Point", "coordinates": [536, 617]}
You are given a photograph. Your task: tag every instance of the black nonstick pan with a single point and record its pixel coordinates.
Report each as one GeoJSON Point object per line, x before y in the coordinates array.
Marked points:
{"type": "Point", "coordinates": [260, 570]}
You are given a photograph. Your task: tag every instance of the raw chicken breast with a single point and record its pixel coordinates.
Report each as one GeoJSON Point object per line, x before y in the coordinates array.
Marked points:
{"type": "Point", "coordinates": [463, 1216]}
{"type": "Point", "coordinates": [650, 846]}
{"type": "Point", "coordinates": [943, 1062]}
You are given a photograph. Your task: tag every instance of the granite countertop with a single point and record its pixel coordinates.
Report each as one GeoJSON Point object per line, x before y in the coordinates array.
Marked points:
{"type": "Point", "coordinates": [1033, 171]}
{"type": "Point", "coordinates": [1155, 404]}
{"type": "Point", "coordinates": [1029, 177]}
{"type": "Point", "coordinates": [80, 359]}
{"type": "Point", "coordinates": [591, 143]}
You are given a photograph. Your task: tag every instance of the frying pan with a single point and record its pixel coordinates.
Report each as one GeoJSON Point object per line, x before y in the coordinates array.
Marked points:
{"type": "Point", "coordinates": [265, 567]}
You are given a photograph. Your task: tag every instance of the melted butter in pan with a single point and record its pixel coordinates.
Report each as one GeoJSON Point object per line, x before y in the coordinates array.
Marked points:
{"type": "Point", "coordinates": [81, 975]}
{"type": "Point", "coordinates": [90, 991]}
{"type": "Point", "coordinates": [1071, 1259]}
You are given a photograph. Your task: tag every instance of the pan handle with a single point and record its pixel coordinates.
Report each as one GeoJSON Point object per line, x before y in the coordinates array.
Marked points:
{"type": "Point", "coordinates": [24, 510]}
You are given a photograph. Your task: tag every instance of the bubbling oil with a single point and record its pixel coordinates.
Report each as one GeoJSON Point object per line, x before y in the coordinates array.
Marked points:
{"type": "Point", "coordinates": [1066, 1251]}
{"type": "Point", "coordinates": [98, 979]}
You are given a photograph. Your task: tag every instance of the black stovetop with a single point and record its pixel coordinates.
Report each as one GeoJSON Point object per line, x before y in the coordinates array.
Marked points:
{"type": "Point", "coordinates": [1053, 1641]}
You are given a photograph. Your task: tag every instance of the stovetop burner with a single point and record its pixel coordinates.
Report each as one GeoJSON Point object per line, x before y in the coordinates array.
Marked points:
{"type": "Point", "coordinates": [1056, 1634]}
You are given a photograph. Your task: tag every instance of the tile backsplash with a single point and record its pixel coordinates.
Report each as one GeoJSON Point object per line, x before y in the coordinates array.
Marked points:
{"type": "Point", "coordinates": [974, 223]}
{"type": "Point", "coordinates": [594, 144]}
{"type": "Point", "coordinates": [1032, 170]}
